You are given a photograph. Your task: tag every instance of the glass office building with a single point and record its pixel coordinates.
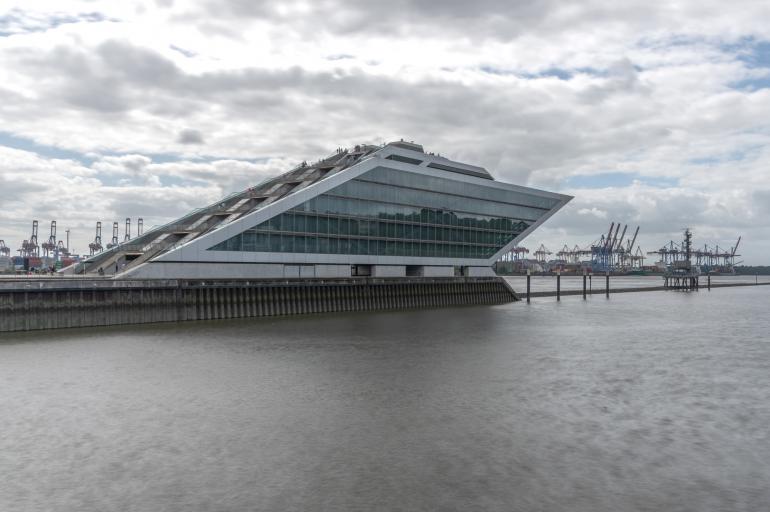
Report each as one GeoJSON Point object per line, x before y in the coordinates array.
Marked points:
{"type": "Point", "coordinates": [394, 213]}
{"type": "Point", "coordinates": [387, 211]}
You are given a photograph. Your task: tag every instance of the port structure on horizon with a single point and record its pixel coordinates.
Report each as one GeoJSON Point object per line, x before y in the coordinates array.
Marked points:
{"type": "Point", "coordinates": [55, 253]}
{"type": "Point", "coordinates": [53, 250]}
{"type": "Point", "coordinates": [381, 211]}
{"type": "Point", "coordinates": [708, 260]}
{"type": "Point", "coordinates": [607, 254]}
{"type": "Point", "coordinates": [29, 247]}
{"type": "Point", "coordinates": [682, 274]}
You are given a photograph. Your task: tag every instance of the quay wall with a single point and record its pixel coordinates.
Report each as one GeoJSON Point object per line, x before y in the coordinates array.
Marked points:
{"type": "Point", "coordinates": [34, 304]}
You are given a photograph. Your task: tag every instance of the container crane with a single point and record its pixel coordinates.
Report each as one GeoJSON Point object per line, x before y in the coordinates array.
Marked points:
{"type": "Point", "coordinates": [732, 253]}
{"type": "Point", "coordinates": [619, 245]}
{"type": "Point", "coordinates": [633, 240]}
{"type": "Point", "coordinates": [541, 253]}
{"type": "Point", "coordinates": [601, 252]}
{"type": "Point", "coordinates": [29, 248]}
{"type": "Point", "coordinates": [609, 235]}
{"type": "Point", "coordinates": [614, 238]}
{"type": "Point", "coordinates": [96, 245]}
{"type": "Point", "coordinates": [50, 244]}
{"type": "Point", "coordinates": [4, 249]}
{"type": "Point", "coordinates": [114, 241]}
{"type": "Point", "coordinates": [628, 254]}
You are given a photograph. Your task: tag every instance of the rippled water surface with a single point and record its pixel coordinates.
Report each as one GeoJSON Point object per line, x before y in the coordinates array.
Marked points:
{"type": "Point", "coordinates": [653, 401]}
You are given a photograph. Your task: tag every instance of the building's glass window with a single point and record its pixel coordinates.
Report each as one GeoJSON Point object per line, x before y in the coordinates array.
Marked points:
{"type": "Point", "coordinates": [394, 213]}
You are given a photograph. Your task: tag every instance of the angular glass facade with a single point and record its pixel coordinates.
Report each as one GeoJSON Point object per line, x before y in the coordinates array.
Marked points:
{"type": "Point", "coordinates": [386, 212]}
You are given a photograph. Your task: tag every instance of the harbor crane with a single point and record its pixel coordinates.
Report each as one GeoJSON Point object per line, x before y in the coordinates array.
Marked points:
{"type": "Point", "coordinates": [542, 253]}
{"type": "Point", "coordinates": [96, 245]}
{"type": "Point", "coordinates": [633, 240]}
{"type": "Point", "coordinates": [49, 245]}
{"type": "Point", "coordinates": [714, 259]}
{"type": "Point", "coordinates": [127, 236]}
{"type": "Point", "coordinates": [622, 236]}
{"type": "Point", "coordinates": [29, 248]}
{"type": "Point", "coordinates": [628, 257]}
{"type": "Point", "coordinates": [613, 251]}
{"type": "Point", "coordinates": [4, 249]}
{"type": "Point", "coordinates": [609, 235]}
{"type": "Point", "coordinates": [114, 242]}
{"type": "Point", "coordinates": [732, 253]}
{"type": "Point", "coordinates": [571, 256]}
{"type": "Point", "coordinates": [614, 238]}
{"type": "Point", "coordinates": [668, 252]}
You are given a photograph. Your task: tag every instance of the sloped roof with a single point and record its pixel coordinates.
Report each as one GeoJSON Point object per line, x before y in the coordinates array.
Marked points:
{"type": "Point", "coordinates": [230, 208]}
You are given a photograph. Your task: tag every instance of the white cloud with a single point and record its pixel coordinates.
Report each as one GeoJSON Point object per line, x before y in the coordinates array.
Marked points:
{"type": "Point", "coordinates": [601, 214]}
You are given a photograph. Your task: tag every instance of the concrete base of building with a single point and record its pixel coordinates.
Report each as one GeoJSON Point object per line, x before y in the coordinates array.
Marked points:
{"type": "Point", "coordinates": [241, 270]}
{"type": "Point", "coordinates": [34, 304]}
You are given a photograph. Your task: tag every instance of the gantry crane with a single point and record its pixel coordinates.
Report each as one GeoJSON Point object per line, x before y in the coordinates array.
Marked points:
{"type": "Point", "coordinates": [629, 256]}
{"type": "Point", "coordinates": [732, 253]}
{"type": "Point", "coordinates": [50, 244]}
{"type": "Point", "coordinates": [29, 248]}
{"type": "Point", "coordinates": [96, 245]}
{"type": "Point", "coordinates": [114, 241]}
{"type": "Point", "coordinates": [542, 253]}
{"type": "Point", "coordinates": [710, 258]}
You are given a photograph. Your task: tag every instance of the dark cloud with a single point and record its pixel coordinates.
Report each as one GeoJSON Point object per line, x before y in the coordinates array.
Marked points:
{"type": "Point", "coordinates": [136, 65]}
{"type": "Point", "coordinates": [480, 19]}
{"type": "Point", "coordinates": [762, 200]}
{"type": "Point", "coordinates": [503, 20]}
{"type": "Point", "coordinates": [190, 137]}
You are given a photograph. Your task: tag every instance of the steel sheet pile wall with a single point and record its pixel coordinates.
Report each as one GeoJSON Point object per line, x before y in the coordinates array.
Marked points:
{"type": "Point", "coordinates": [25, 308]}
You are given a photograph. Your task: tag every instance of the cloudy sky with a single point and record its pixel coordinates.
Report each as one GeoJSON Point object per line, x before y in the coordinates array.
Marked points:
{"type": "Point", "coordinates": [649, 113]}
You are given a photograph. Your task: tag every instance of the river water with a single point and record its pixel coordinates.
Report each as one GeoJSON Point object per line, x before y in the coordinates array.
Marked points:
{"type": "Point", "coordinates": [654, 401]}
